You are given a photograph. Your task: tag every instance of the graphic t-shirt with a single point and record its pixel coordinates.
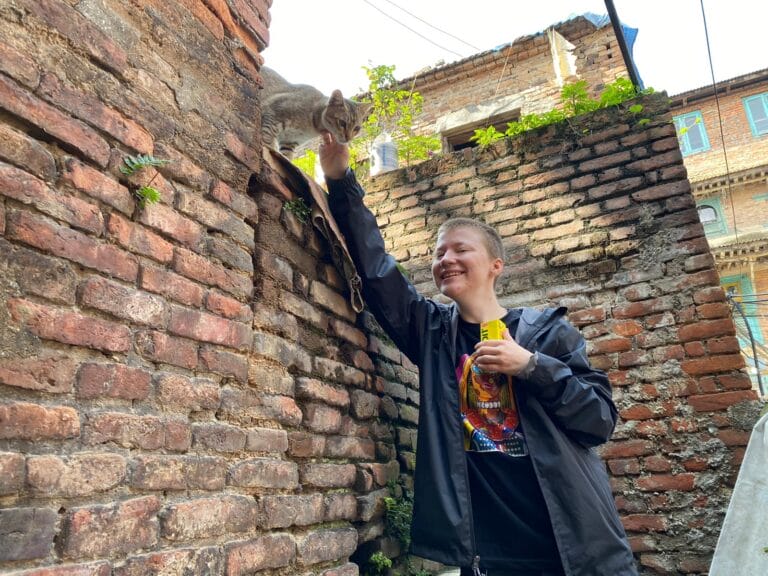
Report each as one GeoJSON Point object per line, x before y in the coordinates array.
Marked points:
{"type": "Point", "coordinates": [512, 527]}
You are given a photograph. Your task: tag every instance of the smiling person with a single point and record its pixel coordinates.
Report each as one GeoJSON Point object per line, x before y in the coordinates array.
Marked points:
{"type": "Point", "coordinates": [507, 481]}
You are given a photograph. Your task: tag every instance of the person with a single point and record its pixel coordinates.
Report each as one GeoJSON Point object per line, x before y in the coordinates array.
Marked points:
{"type": "Point", "coordinates": [506, 481]}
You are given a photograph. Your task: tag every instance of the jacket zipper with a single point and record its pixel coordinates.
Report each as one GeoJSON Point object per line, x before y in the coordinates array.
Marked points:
{"type": "Point", "coordinates": [452, 347]}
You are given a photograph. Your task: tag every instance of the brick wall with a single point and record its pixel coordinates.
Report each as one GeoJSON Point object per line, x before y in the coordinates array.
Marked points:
{"type": "Point", "coordinates": [598, 216]}
{"type": "Point", "coordinates": [183, 388]}
{"type": "Point", "coordinates": [524, 68]}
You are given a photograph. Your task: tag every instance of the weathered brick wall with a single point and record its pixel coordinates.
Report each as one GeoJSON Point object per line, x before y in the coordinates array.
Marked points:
{"type": "Point", "coordinates": [183, 388]}
{"type": "Point", "coordinates": [524, 68]}
{"type": "Point", "coordinates": [597, 215]}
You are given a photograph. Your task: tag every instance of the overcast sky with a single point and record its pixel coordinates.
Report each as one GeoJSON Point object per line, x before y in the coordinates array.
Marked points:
{"type": "Point", "coordinates": [326, 42]}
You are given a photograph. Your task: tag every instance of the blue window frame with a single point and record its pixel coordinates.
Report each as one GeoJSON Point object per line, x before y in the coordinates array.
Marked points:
{"type": "Point", "coordinates": [737, 286]}
{"type": "Point", "coordinates": [691, 133]}
{"type": "Point", "coordinates": [757, 113]}
{"type": "Point", "coordinates": [712, 217]}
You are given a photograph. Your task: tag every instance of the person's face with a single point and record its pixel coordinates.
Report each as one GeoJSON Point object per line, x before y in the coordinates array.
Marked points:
{"type": "Point", "coordinates": [461, 264]}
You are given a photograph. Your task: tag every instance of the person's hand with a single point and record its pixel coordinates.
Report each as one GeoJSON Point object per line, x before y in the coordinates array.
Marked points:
{"type": "Point", "coordinates": [505, 356]}
{"type": "Point", "coordinates": [334, 157]}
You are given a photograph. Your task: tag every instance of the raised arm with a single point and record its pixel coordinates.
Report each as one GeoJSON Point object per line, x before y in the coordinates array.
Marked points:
{"type": "Point", "coordinates": [403, 313]}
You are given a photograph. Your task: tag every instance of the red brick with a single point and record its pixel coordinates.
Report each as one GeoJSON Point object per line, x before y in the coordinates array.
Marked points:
{"type": "Point", "coordinates": [76, 475]}
{"type": "Point", "coordinates": [665, 482]}
{"type": "Point", "coordinates": [267, 440]}
{"type": "Point", "coordinates": [21, 150]}
{"type": "Point", "coordinates": [706, 329]}
{"type": "Point", "coordinates": [209, 328]}
{"type": "Point", "coordinates": [720, 401]}
{"type": "Point", "coordinates": [326, 545]}
{"type": "Point", "coordinates": [660, 191]}
{"type": "Point", "coordinates": [623, 467]}
{"type": "Point", "coordinates": [216, 217]}
{"type": "Point", "coordinates": [328, 475]}
{"type": "Point", "coordinates": [304, 445]}
{"type": "Point", "coordinates": [609, 345]}
{"type": "Point", "coordinates": [167, 349]}
{"type": "Point", "coordinates": [238, 202]}
{"type": "Point", "coordinates": [713, 364]}
{"type": "Point", "coordinates": [28, 189]}
{"type": "Point", "coordinates": [124, 302]}
{"type": "Point", "coordinates": [265, 473]}
{"type": "Point", "coordinates": [179, 473]}
{"type": "Point", "coordinates": [739, 381]}
{"type": "Point", "coordinates": [731, 437]}
{"type": "Point", "coordinates": [695, 348]}
{"type": "Point", "coordinates": [587, 316]}
{"type": "Point", "coordinates": [112, 381]}
{"type": "Point", "coordinates": [224, 362]}
{"type": "Point", "coordinates": [285, 511]}
{"type": "Point", "coordinates": [262, 553]}
{"type": "Point", "coordinates": [626, 449]}
{"type": "Point", "coordinates": [61, 241]}
{"type": "Point", "coordinates": [116, 529]}
{"type": "Point", "coordinates": [208, 517]}
{"type": "Point", "coordinates": [626, 328]}
{"type": "Point", "coordinates": [97, 185]}
{"type": "Point", "coordinates": [709, 294]}
{"type": "Point", "coordinates": [644, 523]}
{"type": "Point", "coordinates": [643, 308]}
{"type": "Point", "coordinates": [242, 152]}
{"type": "Point", "coordinates": [47, 118]}
{"type": "Point", "coordinates": [656, 464]}
{"type": "Point", "coordinates": [79, 31]}
{"type": "Point", "coordinates": [19, 66]}
{"type": "Point", "coordinates": [138, 239]}
{"type": "Point", "coordinates": [724, 345]}
{"type": "Point", "coordinates": [332, 300]}
{"type": "Point", "coordinates": [177, 391]}
{"type": "Point", "coordinates": [695, 464]}
{"type": "Point", "coordinates": [171, 223]}
{"type": "Point", "coordinates": [219, 437]}
{"type": "Point", "coordinates": [350, 447]}
{"type": "Point", "coordinates": [90, 569]}
{"type": "Point", "coordinates": [50, 323]}
{"type": "Point", "coordinates": [131, 431]}
{"type": "Point", "coordinates": [228, 307]}
{"type": "Point", "coordinates": [637, 412]}
{"type": "Point", "coordinates": [207, 560]}
{"type": "Point", "coordinates": [49, 372]}
{"type": "Point", "coordinates": [25, 421]}
{"type": "Point", "coordinates": [172, 285]}
{"type": "Point", "coordinates": [321, 418]}
{"type": "Point", "coordinates": [204, 270]}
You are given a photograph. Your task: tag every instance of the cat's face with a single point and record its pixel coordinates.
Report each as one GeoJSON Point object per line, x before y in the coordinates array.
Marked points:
{"type": "Point", "coordinates": [344, 118]}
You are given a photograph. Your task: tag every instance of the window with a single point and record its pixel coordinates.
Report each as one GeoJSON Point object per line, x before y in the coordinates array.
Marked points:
{"type": "Point", "coordinates": [691, 133]}
{"type": "Point", "coordinates": [757, 113]}
{"type": "Point", "coordinates": [711, 216]}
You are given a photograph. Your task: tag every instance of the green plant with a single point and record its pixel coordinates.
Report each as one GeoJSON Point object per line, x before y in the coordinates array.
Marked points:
{"type": "Point", "coordinates": [306, 163]}
{"type": "Point", "coordinates": [575, 100]}
{"type": "Point", "coordinates": [399, 511]}
{"type": "Point", "coordinates": [145, 194]}
{"type": "Point", "coordinates": [392, 111]}
{"type": "Point", "coordinates": [377, 564]}
{"type": "Point", "coordinates": [298, 208]}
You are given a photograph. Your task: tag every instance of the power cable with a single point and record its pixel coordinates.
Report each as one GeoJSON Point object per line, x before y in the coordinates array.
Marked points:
{"type": "Point", "coordinates": [412, 30]}
{"type": "Point", "coordinates": [434, 27]}
{"type": "Point", "coordinates": [720, 122]}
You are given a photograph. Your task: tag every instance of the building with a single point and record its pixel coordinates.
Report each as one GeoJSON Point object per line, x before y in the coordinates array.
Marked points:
{"type": "Point", "coordinates": [519, 78]}
{"type": "Point", "coordinates": [724, 140]}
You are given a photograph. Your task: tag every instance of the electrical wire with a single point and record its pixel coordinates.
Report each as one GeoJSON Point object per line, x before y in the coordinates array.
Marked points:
{"type": "Point", "coordinates": [720, 122]}
{"type": "Point", "coordinates": [412, 30]}
{"type": "Point", "coordinates": [434, 27]}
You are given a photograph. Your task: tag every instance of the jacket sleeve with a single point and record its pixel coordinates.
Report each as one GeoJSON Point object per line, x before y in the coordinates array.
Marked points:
{"type": "Point", "coordinates": [401, 311]}
{"type": "Point", "coordinates": [576, 396]}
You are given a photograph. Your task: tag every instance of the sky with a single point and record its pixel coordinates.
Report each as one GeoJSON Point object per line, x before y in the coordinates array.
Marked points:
{"type": "Point", "coordinates": [326, 43]}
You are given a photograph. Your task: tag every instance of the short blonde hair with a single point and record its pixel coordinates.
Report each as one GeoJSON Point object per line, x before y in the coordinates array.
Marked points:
{"type": "Point", "coordinates": [491, 238]}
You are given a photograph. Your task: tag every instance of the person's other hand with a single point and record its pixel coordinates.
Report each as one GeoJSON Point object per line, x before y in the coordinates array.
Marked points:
{"type": "Point", "coordinates": [334, 157]}
{"type": "Point", "coordinates": [505, 356]}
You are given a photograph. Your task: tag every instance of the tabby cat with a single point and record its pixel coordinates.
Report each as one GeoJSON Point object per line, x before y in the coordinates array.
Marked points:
{"type": "Point", "coordinates": [294, 114]}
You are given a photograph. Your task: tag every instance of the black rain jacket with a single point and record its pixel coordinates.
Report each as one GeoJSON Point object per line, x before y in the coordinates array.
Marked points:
{"type": "Point", "coordinates": [565, 408]}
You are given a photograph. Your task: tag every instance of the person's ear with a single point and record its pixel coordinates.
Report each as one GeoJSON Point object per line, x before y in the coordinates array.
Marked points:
{"type": "Point", "coordinates": [497, 267]}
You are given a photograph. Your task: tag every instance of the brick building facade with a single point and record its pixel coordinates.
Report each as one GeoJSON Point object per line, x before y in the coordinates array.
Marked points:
{"type": "Point", "coordinates": [729, 176]}
{"type": "Point", "coordinates": [515, 79]}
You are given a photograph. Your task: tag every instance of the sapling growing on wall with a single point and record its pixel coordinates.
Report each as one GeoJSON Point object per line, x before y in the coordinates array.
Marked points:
{"type": "Point", "coordinates": [145, 194]}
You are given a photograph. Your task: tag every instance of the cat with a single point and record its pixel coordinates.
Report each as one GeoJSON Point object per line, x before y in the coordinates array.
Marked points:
{"type": "Point", "coordinates": [294, 114]}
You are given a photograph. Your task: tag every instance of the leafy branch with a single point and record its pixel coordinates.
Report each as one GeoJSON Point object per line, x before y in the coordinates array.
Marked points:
{"type": "Point", "coordinates": [145, 194]}
{"type": "Point", "coordinates": [298, 208]}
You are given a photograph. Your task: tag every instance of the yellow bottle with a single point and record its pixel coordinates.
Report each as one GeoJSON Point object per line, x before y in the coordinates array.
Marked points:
{"type": "Point", "coordinates": [492, 330]}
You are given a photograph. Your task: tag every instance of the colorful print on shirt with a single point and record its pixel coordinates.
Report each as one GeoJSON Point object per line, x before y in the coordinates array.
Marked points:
{"type": "Point", "coordinates": [489, 412]}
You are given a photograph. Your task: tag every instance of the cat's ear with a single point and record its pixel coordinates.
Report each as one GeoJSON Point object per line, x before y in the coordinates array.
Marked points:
{"type": "Point", "coordinates": [364, 109]}
{"type": "Point", "coordinates": [336, 98]}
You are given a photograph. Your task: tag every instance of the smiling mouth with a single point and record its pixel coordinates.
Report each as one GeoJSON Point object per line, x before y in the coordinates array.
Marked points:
{"type": "Point", "coordinates": [447, 275]}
